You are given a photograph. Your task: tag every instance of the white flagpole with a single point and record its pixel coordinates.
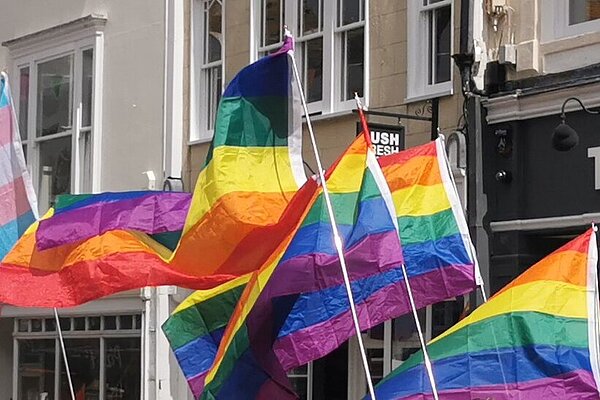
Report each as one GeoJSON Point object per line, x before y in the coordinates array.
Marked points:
{"type": "Point", "coordinates": [336, 236]}
{"type": "Point", "coordinates": [413, 306]}
{"type": "Point", "coordinates": [426, 358]}
{"type": "Point", "coordinates": [64, 353]}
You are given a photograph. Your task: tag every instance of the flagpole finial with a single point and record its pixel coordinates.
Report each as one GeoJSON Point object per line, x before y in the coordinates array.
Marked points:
{"type": "Point", "coordinates": [594, 227]}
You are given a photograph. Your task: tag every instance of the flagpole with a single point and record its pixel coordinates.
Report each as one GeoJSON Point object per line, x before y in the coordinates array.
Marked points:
{"type": "Point", "coordinates": [64, 353]}
{"type": "Point", "coordinates": [426, 358]}
{"type": "Point", "coordinates": [336, 236]}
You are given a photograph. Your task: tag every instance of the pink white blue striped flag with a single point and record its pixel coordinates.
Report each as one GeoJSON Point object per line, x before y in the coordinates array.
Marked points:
{"type": "Point", "coordinates": [18, 204]}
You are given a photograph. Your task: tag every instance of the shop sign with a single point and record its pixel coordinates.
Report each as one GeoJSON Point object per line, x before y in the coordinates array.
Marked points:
{"type": "Point", "coordinates": [386, 139]}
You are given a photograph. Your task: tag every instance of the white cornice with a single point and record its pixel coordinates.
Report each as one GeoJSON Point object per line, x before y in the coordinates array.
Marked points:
{"type": "Point", "coordinates": [519, 106]}
{"type": "Point", "coordinates": [89, 25]}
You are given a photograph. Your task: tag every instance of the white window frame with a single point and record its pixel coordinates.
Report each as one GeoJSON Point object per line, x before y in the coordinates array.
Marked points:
{"type": "Point", "coordinates": [332, 41]}
{"type": "Point", "coordinates": [199, 73]}
{"type": "Point", "coordinates": [309, 379]}
{"type": "Point", "coordinates": [100, 334]}
{"type": "Point", "coordinates": [54, 43]}
{"type": "Point", "coordinates": [555, 22]}
{"type": "Point", "coordinates": [418, 88]}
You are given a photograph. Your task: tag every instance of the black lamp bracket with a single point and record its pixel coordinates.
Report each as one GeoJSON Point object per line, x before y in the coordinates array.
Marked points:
{"type": "Point", "coordinates": [563, 117]}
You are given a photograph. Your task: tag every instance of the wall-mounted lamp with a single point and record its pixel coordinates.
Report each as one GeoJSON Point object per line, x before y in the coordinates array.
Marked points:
{"type": "Point", "coordinates": [564, 137]}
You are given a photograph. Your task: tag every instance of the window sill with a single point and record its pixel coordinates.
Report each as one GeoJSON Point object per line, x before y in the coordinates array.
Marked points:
{"type": "Point", "coordinates": [428, 96]}
{"type": "Point", "coordinates": [199, 141]}
{"type": "Point", "coordinates": [328, 116]}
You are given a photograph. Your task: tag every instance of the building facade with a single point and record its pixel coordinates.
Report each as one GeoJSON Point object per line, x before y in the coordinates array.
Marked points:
{"type": "Point", "coordinates": [532, 197]}
{"type": "Point", "coordinates": [123, 95]}
{"type": "Point", "coordinates": [98, 90]}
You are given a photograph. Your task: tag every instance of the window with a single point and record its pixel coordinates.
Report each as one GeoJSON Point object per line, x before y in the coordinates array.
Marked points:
{"type": "Point", "coordinates": [104, 354]}
{"type": "Point", "coordinates": [581, 11]}
{"type": "Point", "coordinates": [567, 18]}
{"type": "Point", "coordinates": [330, 46]}
{"type": "Point", "coordinates": [58, 103]}
{"type": "Point", "coordinates": [207, 67]}
{"type": "Point", "coordinates": [301, 379]}
{"type": "Point", "coordinates": [429, 49]}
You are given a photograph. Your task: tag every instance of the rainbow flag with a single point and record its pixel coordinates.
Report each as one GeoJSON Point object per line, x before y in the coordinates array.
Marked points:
{"type": "Point", "coordinates": [252, 171]}
{"type": "Point", "coordinates": [74, 273]}
{"type": "Point", "coordinates": [306, 269]}
{"type": "Point", "coordinates": [196, 328]}
{"type": "Point", "coordinates": [17, 197]}
{"type": "Point", "coordinates": [80, 217]}
{"type": "Point", "coordinates": [535, 339]}
{"type": "Point", "coordinates": [438, 252]}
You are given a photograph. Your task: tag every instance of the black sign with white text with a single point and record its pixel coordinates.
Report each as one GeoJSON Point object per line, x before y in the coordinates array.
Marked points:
{"type": "Point", "coordinates": [386, 139]}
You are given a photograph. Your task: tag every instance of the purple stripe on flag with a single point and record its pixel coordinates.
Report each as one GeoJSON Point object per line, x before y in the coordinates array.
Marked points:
{"type": "Point", "coordinates": [320, 339]}
{"type": "Point", "coordinates": [308, 273]}
{"type": "Point", "coordinates": [155, 213]}
{"type": "Point", "coordinates": [197, 384]}
{"type": "Point", "coordinates": [575, 385]}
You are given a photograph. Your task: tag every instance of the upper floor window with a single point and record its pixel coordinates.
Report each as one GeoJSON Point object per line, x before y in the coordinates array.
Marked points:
{"type": "Point", "coordinates": [330, 46]}
{"type": "Point", "coordinates": [429, 48]}
{"type": "Point", "coordinates": [581, 11]}
{"type": "Point", "coordinates": [207, 67]}
{"type": "Point", "coordinates": [57, 108]}
{"type": "Point", "coordinates": [567, 18]}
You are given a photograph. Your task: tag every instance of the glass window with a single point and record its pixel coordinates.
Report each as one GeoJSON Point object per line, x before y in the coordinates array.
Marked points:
{"type": "Point", "coordinates": [23, 102]}
{"type": "Point", "coordinates": [272, 21]}
{"type": "Point", "coordinates": [54, 96]}
{"type": "Point", "coordinates": [429, 65]}
{"type": "Point", "coordinates": [299, 377]}
{"type": "Point", "coordinates": [87, 85]}
{"type": "Point", "coordinates": [439, 45]}
{"type": "Point", "coordinates": [84, 365]}
{"type": "Point", "coordinates": [209, 78]}
{"type": "Point", "coordinates": [352, 40]}
{"type": "Point", "coordinates": [36, 369]}
{"type": "Point", "coordinates": [117, 374]}
{"type": "Point", "coordinates": [583, 11]}
{"type": "Point", "coordinates": [55, 167]}
{"type": "Point", "coordinates": [122, 366]}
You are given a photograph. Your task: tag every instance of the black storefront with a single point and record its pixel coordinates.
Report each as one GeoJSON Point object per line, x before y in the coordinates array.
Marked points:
{"type": "Point", "coordinates": [528, 198]}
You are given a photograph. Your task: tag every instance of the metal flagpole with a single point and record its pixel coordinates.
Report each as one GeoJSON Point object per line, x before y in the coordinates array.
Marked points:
{"type": "Point", "coordinates": [64, 353]}
{"type": "Point", "coordinates": [336, 236]}
{"type": "Point", "coordinates": [407, 283]}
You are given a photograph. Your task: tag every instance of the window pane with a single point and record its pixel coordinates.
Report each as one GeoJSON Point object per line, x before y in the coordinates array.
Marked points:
{"type": "Point", "coordinates": [36, 325]}
{"type": "Point", "coordinates": [405, 339]}
{"type": "Point", "coordinates": [583, 10]}
{"type": "Point", "coordinates": [310, 16]}
{"type": "Point", "coordinates": [84, 364]}
{"type": "Point", "coordinates": [354, 57]}
{"type": "Point", "coordinates": [36, 369]}
{"type": "Point", "coordinates": [85, 159]}
{"type": "Point", "coordinates": [122, 371]}
{"type": "Point", "coordinates": [87, 87]}
{"type": "Point", "coordinates": [23, 102]}
{"type": "Point", "coordinates": [313, 64]}
{"type": "Point", "coordinates": [442, 44]}
{"type": "Point", "coordinates": [214, 32]}
{"type": "Point", "coordinates": [213, 84]}
{"type": "Point", "coordinates": [50, 325]}
{"type": "Point", "coordinates": [272, 24]}
{"type": "Point", "coordinates": [350, 11]}
{"type": "Point", "coordinates": [55, 167]}
{"type": "Point", "coordinates": [300, 385]}
{"type": "Point", "coordinates": [110, 323]}
{"type": "Point", "coordinates": [54, 97]}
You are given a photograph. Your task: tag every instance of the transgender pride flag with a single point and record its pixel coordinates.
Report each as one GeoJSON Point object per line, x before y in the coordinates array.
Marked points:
{"type": "Point", "coordinates": [18, 204]}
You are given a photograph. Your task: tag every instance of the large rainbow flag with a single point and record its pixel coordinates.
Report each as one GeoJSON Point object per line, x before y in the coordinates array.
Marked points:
{"type": "Point", "coordinates": [253, 169]}
{"type": "Point", "coordinates": [18, 203]}
{"type": "Point", "coordinates": [537, 338]}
